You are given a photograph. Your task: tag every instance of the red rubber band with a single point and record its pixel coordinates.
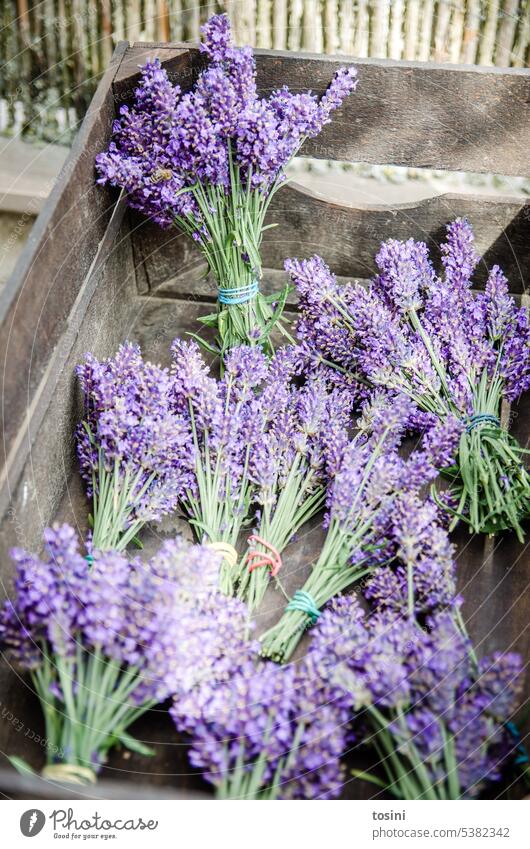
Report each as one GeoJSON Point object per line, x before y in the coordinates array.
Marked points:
{"type": "Point", "coordinates": [273, 560]}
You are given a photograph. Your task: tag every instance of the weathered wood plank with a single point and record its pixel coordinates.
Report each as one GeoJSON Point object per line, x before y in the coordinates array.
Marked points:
{"type": "Point", "coordinates": [16, 786]}
{"type": "Point", "coordinates": [426, 115]}
{"type": "Point", "coordinates": [42, 455]}
{"type": "Point", "coordinates": [37, 299]}
{"type": "Point", "coordinates": [348, 237]}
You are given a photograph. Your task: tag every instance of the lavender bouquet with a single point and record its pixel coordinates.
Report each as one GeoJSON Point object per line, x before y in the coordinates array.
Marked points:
{"type": "Point", "coordinates": [135, 454]}
{"type": "Point", "coordinates": [210, 161]}
{"type": "Point", "coordinates": [270, 732]}
{"type": "Point", "coordinates": [105, 643]}
{"type": "Point", "coordinates": [438, 724]}
{"type": "Point", "coordinates": [224, 421]}
{"type": "Point", "coordinates": [456, 356]}
{"type": "Point", "coordinates": [369, 476]}
{"type": "Point", "coordinates": [288, 466]}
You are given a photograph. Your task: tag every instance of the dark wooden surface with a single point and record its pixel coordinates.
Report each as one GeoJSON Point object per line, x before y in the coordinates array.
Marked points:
{"type": "Point", "coordinates": [92, 277]}
{"type": "Point", "coordinates": [348, 237]}
{"type": "Point", "coordinates": [462, 118]}
{"type": "Point", "coordinates": [36, 302]}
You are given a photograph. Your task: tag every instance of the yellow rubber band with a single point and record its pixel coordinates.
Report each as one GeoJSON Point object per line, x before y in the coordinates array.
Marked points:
{"type": "Point", "coordinates": [69, 773]}
{"type": "Point", "coordinates": [228, 551]}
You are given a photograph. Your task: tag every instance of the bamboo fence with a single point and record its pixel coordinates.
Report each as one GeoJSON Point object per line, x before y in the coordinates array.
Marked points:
{"type": "Point", "coordinates": [52, 52]}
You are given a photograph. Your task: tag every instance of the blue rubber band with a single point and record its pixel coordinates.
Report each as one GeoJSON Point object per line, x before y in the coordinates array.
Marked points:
{"type": "Point", "coordinates": [239, 294]}
{"type": "Point", "coordinates": [89, 558]}
{"type": "Point", "coordinates": [522, 754]}
{"type": "Point", "coordinates": [305, 603]}
{"type": "Point", "coordinates": [481, 418]}
{"type": "Point", "coordinates": [514, 731]}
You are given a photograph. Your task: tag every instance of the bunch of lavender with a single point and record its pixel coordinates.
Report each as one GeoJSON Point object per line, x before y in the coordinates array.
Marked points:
{"type": "Point", "coordinates": [270, 732]}
{"type": "Point", "coordinates": [369, 477]}
{"type": "Point", "coordinates": [135, 454]}
{"type": "Point", "coordinates": [226, 421]}
{"type": "Point", "coordinates": [456, 356]}
{"type": "Point", "coordinates": [436, 722]}
{"type": "Point", "coordinates": [105, 643]}
{"type": "Point", "coordinates": [210, 161]}
{"type": "Point", "coordinates": [289, 469]}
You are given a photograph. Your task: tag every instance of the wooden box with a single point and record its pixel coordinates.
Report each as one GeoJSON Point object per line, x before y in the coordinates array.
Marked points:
{"type": "Point", "coordinates": [93, 274]}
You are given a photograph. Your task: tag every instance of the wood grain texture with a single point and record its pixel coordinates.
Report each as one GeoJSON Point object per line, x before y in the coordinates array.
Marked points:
{"type": "Point", "coordinates": [348, 238]}
{"type": "Point", "coordinates": [425, 115]}
{"type": "Point", "coordinates": [37, 299]}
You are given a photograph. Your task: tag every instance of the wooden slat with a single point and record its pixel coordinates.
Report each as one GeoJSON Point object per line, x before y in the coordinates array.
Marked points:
{"type": "Point", "coordinates": [348, 238]}
{"type": "Point", "coordinates": [36, 301]}
{"type": "Point", "coordinates": [403, 113]}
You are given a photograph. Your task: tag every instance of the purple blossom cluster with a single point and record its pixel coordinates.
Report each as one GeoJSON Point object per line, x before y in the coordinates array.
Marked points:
{"type": "Point", "coordinates": [454, 354]}
{"type": "Point", "coordinates": [138, 615]}
{"type": "Point", "coordinates": [417, 686]}
{"type": "Point", "coordinates": [303, 425]}
{"type": "Point", "coordinates": [416, 331]}
{"type": "Point", "coordinates": [369, 470]}
{"type": "Point", "coordinates": [160, 628]}
{"type": "Point", "coordinates": [131, 435]}
{"type": "Point", "coordinates": [249, 427]}
{"type": "Point", "coordinates": [422, 570]}
{"type": "Point", "coordinates": [225, 421]}
{"type": "Point", "coordinates": [169, 140]}
{"type": "Point", "coordinates": [270, 732]}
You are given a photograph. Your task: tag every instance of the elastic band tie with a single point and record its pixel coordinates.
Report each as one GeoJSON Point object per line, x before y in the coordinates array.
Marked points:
{"type": "Point", "coordinates": [305, 603]}
{"type": "Point", "coordinates": [255, 559]}
{"type": "Point", "coordinates": [521, 753]}
{"type": "Point", "coordinates": [89, 558]}
{"type": "Point", "coordinates": [228, 551]}
{"type": "Point", "coordinates": [239, 294]}
{"type": "Point", "coordinates": [481, 418]}
{"type": "Point", "coordinates": [69, 773]}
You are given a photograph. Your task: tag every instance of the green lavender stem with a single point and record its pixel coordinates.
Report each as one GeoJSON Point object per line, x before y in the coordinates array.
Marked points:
{"type": "Point", "coordinates": [215, 512]}
{"type": "Point", "coordinates": [334, 571]}
{"type": "Point", "coordinates": [116, 496]}
{"type": "Point", "coordinates": [297, 502]}
{"type": "Point", "coordinates": [94, 711]}
{"type": "Point", "coordinates": [406, 770]}
{"type": "Point", "coordinates": [235, 222]}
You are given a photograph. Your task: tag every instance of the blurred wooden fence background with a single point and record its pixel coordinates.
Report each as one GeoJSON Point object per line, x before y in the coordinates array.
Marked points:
{"type": "Point", "coordinates": [52, 52]}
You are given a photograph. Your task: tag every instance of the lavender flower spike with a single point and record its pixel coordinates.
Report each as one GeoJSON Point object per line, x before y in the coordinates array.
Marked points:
{"type": "Point", "coordinates": [105, 642]}
{"type": "Point", "coordinates": [209, 161]}
{"type": "Point", "coordinates": [130, 445]}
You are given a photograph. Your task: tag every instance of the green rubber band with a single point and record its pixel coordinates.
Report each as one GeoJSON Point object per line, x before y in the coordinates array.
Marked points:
{"type": "Point", "coordinates": [305, 603]}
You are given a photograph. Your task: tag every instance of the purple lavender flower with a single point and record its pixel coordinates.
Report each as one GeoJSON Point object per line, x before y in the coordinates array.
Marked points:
{"type": "Point", "coordinates": [270, 732]}
{"type": "Point", "coordinates": [209, 161]}
{"type": "Point", "coordinates": [217, 38]}
{"type": "Point", "coordinates": [454, 355]}
{"type": "Point", "coordinates": [422, 577]}
{"type": "Point", "coordinates": [131, 436]}
{"type": "Point", "coordinates": [418, 688]}
{"type": "Point", "coordinates": [115, 636]}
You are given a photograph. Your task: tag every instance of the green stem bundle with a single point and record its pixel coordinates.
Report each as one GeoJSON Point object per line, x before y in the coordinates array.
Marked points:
{"type": "Point", "coordinates": [216, 513]}
{"type": "Point", "coordinates": [234, 221]}
{"type": "Point", "coordinates": [86, 701]}
{"type": "Point", "coordinates": [344, 559]}
{"type": "Point", "coordinates": [296, 503]}
{"type": "Point", "coordinates": [406, 769]}
{"type": "Point", "coordinates": [115, 498]}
